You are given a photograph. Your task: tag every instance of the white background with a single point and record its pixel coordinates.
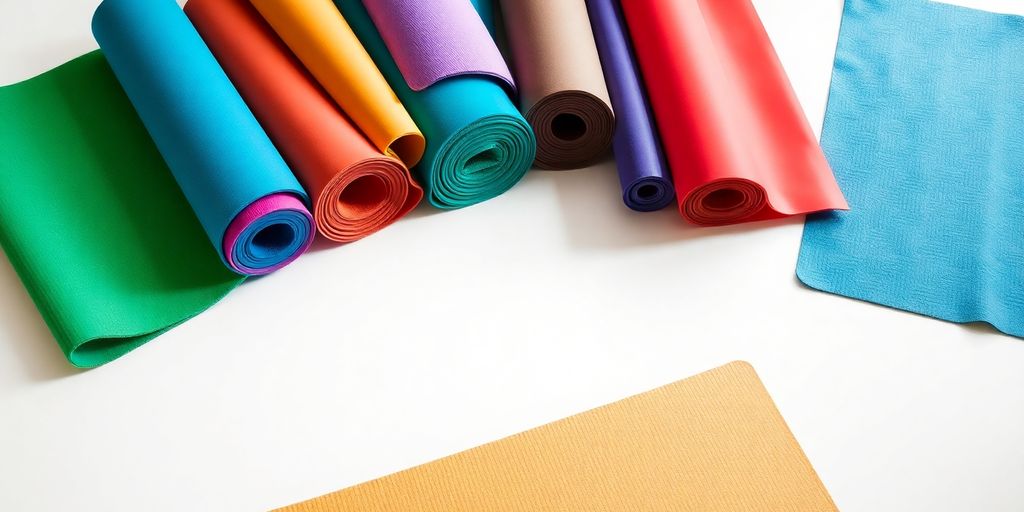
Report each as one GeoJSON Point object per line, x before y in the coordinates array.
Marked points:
{"type": "Point", "coordinates": [449, 330]}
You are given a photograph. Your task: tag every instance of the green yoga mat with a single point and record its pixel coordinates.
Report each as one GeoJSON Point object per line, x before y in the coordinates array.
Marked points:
{"type": "Point", "coordinates": [92, 219]}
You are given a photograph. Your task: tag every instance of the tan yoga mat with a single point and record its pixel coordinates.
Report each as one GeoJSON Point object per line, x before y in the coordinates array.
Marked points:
{"type": "Point", "coordinates": [713, 442]}
{"type": "Point", "coordinates": [562, 92]}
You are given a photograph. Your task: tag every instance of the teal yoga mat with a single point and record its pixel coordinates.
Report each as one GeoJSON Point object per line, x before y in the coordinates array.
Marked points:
{"type": "Point", "coordinates": [478, 144]}
{"type": "Point", "coordinates": [925, 131]}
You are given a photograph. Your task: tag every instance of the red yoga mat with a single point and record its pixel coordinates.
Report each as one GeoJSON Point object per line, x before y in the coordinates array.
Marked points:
{"type": "Point", "coordinates": [356, 190]}
{"type": "Point", "coordinates": [737, 141]}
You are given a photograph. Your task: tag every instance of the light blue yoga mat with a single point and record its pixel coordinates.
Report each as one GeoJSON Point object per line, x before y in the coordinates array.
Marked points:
{"type": "Point", "coordinates": [925, 132]}
{"type": "Point", "coordinates": [214, 146]}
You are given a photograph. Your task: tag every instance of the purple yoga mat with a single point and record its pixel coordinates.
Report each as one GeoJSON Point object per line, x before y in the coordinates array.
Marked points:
{"type": "Point", "coordinates": [646, 182]}
{"type": "Point", "coordinates": [437, 39]}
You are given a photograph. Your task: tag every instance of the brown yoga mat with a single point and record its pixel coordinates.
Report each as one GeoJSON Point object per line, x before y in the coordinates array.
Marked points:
{"type": "Point", "coordinates": [714, 442]}
{"type": "Point", "coordinates": [562, 91]}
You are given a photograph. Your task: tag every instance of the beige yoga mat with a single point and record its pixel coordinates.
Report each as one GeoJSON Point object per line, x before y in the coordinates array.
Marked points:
{"type": "Point", "coordinates": [714, 442]}
{"type": "Point", "coordinates": [562, 92]}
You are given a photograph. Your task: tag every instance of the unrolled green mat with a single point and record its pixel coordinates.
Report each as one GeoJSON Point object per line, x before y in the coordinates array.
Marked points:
{"type": "Point", "coordinates": [92, 219]}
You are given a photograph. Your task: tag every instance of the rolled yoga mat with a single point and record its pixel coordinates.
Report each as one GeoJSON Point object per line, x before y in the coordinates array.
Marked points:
{"type": "Point", "coordinates": [737, 141]}
{"type": "Point", "coordinates": [924, 130]}
{"type": "Point", "coordinates": [646, 182]}
{"type": "Point", "coordinates": [246, 198]}
{"type": "Point", "coordinates": [478, 145]}
{"type": "Point", "coordinates": [356, 189]}
{"type": "Point", "coordinates": [561, 87]}
{"type": "Point", "coordinates": [92, 220]}
{"type": "Point", "coordinates": [326, 45]}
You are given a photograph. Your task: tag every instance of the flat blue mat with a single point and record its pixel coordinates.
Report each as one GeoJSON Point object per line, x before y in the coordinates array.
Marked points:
{"type": "Point", "coordinates": [925, 132]}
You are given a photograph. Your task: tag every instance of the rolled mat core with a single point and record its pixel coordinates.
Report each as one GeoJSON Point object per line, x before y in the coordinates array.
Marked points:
{"type": "Point", "coordinates": [481, 161]}
{"type": "Point", "coordinates": [369, 196]}
{"type": "Point", "coordinates": [573, 129]}
{"type": "Point", "coordinates": [478, 144]}
{"type": "Point", "coordinates": [268, 235]}
{"type": "Point", "coordinates": [562, 88]}
{"type": "Point", "coordinates": [724, 201]}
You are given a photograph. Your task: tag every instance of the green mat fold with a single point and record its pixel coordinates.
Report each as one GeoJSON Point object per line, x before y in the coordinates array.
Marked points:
{"type": "Point", "coordinates": [92, 219]}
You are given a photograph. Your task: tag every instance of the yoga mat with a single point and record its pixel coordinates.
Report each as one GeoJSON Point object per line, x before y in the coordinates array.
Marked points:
{"type": "Point", "coordinates": [736, 139]}
{"type": "Point", "coordinates": [710, 442]}
{"type": "Point", "coordinates": [478, 145]}
{"type": "Point", "coordinates": [356, 190]}
{"type": "Point", "coordinates": [326, 45]}
{"type": "Point", "coordinates": [561, 86]}
{"type": "Point", "coordinates": [432, 41]}
{"type": "Point", "coordinates": [246, 198]}
{"type": "Point", "coordinates": [91, 218]}
{"type": "Point", "coordinates": [645, 179]}
{"type": "Point", "coordinates": [924, 129]}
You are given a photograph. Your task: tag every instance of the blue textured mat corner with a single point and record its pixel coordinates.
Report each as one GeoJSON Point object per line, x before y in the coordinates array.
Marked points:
{"type": "Point", "coordinates": [925, 132]}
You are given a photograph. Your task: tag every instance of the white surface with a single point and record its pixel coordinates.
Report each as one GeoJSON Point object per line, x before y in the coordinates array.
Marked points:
{"type": "Point", "coordinates": [449, 330]}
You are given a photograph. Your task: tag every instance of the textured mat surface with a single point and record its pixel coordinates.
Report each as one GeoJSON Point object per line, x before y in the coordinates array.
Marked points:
{"type": "Point", "coordinates": [924, 130]}
{"type": "Point", "coordinates": [713, 442]}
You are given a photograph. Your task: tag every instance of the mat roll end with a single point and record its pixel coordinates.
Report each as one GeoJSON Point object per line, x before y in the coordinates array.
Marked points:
{"type": "Point", "coordinates": [649, 194]}
{"type": "Point", "coordinates": [482, 161]}
{"type": "Point", "coordinates": [725, 201]}
{"type": "Point", "coordinates": [268, 235]}
{"type": "Point", "coordinates": [574, 129]}
{"type": "Point", "coordinates": [369, 196]}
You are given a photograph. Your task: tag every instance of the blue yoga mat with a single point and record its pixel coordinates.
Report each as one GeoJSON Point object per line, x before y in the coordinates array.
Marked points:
{"type": "Point", "coordinates": [643, 173]}
{"type": "Point", "coordinates": [925, 132]}
{"type": "Point", "coordinates": [220, 156]}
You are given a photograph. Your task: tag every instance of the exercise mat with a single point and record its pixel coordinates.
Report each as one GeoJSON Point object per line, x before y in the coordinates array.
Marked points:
{"type": "Point", "coordinates": [645, 179]}
{"type": "Point", "coordinates": [924, 130]}
{"type": "Point", "coordinates": [561, 86]}
{"type": "Point", "coordinates": [711, 442]}
{"type": "Point", "coordinates": [246, 198]}
{"type": "Point", "coordinates": [431, 41]}
{"type": "Point", "coordinates": [478, 145]}
{"type": "Point", "coordinates": [356, 190]}
{"type": "Point", "coordinates": [735, 136]}
{"type": "Point", "coordinates": [92, 219]}
{"type": "Point", "coordinates": [326, 45]}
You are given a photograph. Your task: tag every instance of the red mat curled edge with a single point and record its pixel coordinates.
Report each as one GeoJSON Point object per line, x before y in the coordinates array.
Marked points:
{"type": "Point", "coordinates": [734, 133]}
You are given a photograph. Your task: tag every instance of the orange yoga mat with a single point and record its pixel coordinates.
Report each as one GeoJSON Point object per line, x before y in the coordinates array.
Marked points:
{"type": "Point", "coordinates": [714, 442]}
{"type": "Point", "coordinates": [356, 190]}
{"type": "Point", "coordinates": [321, 38]}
